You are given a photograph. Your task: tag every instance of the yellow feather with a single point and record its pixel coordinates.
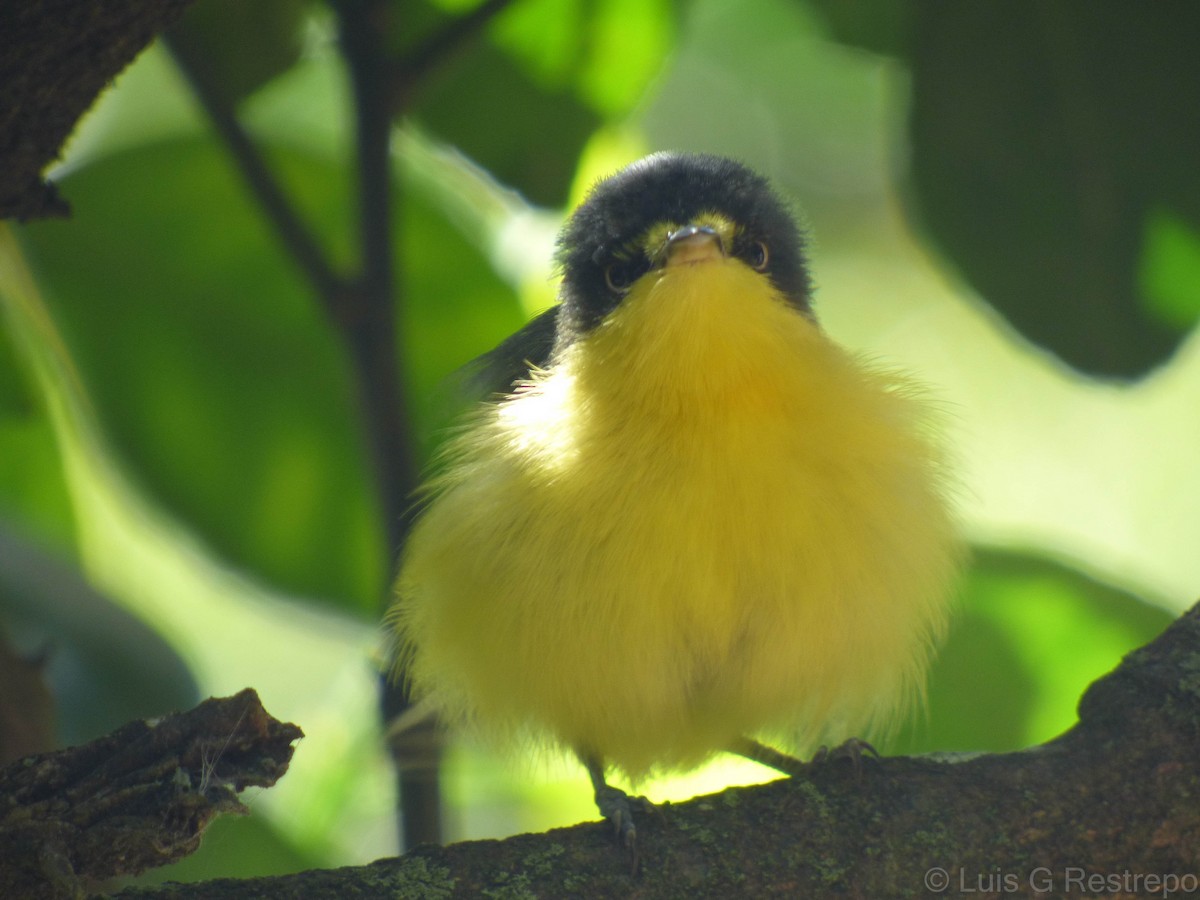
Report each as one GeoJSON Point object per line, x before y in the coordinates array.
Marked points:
{"type": "Point", "coordinates": [705, 520]}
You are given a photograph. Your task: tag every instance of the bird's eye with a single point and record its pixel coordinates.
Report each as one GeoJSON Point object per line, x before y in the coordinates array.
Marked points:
{"type": "Point", "coordinates": [619, 276]}
{"type": "Point", "coordinates": [758, 256]}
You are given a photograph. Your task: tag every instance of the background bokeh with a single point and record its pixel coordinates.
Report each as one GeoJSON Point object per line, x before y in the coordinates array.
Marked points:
{"type": "Point", "coordinates": [1000, 197]}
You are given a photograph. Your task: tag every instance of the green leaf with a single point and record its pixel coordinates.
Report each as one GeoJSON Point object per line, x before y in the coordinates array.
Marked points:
{"type": "Point", "coordinates": [1170, 270]}
{"type": "Point", "coordinates": [606, 51]}
{"type": "Point", "coordinates": [236, 847]}
{"type": "Point", "coordinates": [526, 134]}
{"type": "Point", "coordinates": [33, 491]}
{"type": "Point", "coordinates": [1044, 138]}
{"type": "Point", "coordinates": [456, 310]}
{"type": "Point", "coordinates": [880, 26]}
{"type": "Point", "coordinates": [17, 398]}
{"type": "Point", "coordinates": [1030, 637]}
{"type": "Point", "coordinates": [216, 373]}
{"type": "Point", "coordinates": [524, 103]}
{"type": "Point", "coordinates": [211, 366]}
{"type": "Point", "coordinates": [34, 496]}
{"type": "Point", "coordinates": [241, 46]}
{"type": "Point", "coordinates": [105, 666]}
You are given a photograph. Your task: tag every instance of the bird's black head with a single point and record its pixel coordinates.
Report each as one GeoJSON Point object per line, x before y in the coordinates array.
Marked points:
{"type": "Point", "coordinates": [608, 243]}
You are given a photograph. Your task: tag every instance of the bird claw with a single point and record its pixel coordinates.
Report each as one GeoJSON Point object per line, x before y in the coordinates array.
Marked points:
{"type": "Point", "coordinates": [853, 749]}
{"type": "Point", "coordinates": [617, 807]}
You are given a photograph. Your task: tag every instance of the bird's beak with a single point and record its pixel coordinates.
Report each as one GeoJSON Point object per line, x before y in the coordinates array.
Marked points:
{"type": "Point", "coordinates": [690, 245]}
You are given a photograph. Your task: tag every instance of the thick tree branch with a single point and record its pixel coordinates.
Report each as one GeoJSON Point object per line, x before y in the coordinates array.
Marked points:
{"type": "Point", "coordinates": [136, 799]}
{"type": "Point", "coordinates": [1109, 808]}
{"type": "Point", "coordinates": [55, 58]}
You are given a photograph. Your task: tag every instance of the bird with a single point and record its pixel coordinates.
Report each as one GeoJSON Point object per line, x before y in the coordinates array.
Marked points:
{"type": "Point", "coordinates": [686, 521]}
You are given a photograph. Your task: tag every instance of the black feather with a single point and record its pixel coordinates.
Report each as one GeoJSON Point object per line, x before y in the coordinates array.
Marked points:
{"type": "Point", "coordinates": [670, 187]}
{"type": "Point", "coordinates": [492, 375]}
{"type": "Point", "coordinates": [665, 187]}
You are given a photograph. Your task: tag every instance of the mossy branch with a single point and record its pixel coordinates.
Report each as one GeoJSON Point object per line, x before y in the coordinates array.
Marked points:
{"type": "Point", "coordinates": [135, 799]}
{"type": "Point", "coordinates": [1114, 798]}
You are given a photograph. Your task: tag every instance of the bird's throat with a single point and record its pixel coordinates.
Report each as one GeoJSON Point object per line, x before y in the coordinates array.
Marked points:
{"type": "Point", "coordinates": [712, 334]}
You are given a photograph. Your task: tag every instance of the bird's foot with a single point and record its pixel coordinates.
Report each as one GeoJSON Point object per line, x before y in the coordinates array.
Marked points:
{"type": "Point", "coordinates": [615, 805]}
{"type": "Point", "coordinates": [767, 756]}
{"type": "Point", "coordinates": [618, 808]}
{"type": "Point", "coordinates": [853, 749]}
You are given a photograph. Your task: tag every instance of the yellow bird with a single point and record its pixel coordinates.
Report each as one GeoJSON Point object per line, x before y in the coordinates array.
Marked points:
{"type": "Point", "coordinates": [691, 522]}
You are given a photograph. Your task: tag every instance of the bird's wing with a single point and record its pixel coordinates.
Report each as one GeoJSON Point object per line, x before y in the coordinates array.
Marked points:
{"type": "Point", "coordinates": [492, 375]}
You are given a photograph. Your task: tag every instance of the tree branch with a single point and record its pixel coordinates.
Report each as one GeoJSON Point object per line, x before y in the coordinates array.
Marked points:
{"type": "Point", "coordinates": [1109, 803]}
{"type": "Point", "coordinates": [133, 800]}
{"type": "Point", "coordinates": [409, 72]}
{"type": "Point", "coordinates": [364, 308]}
{"type": "Point", "coordinates": [369, 322]}
{"type": "Point", "coordinates": [55, 59]}
{"type": "Point", "coordinates": [295, 236]}
{"type": "Point", "coordinates": [369, 326]}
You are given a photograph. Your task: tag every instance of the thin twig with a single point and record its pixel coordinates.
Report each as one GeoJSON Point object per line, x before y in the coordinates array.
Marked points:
{"type": "Point", "coordinates": [374, 340]}
{"type": "Point", "coordinates": [369, 322]}
{"type": "Point", "coordinates": [297, 240]}
{"type": "Point", "coordinates": [434, 50]}
{"type": "Point", "coordinates": [363, 309]}
{"type": "Point", "coordinates": [383, 87]}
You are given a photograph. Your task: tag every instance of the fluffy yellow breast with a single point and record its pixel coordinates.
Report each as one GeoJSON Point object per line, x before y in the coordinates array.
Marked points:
{"type": "Point", "coordinates": [705, 521]}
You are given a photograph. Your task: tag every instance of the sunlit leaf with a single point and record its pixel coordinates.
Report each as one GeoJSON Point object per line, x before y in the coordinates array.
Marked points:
{"type": "Point", "coordinates": [545, 37]}
{"type": "Point", "coordinates": [524, 104]}
{"type": "Point", "coordinates": [34, 498]}
{"type": "Point", "coordinates": [628, 42]}
{"type": "Point", "coordinates": [1030, 637]}
{"type": "Point", "coordinates": [1170, 270]}
{"type": "Point", "coordinates": [607, 51]}
{"type": "Point", "coordinates": [236, 847]}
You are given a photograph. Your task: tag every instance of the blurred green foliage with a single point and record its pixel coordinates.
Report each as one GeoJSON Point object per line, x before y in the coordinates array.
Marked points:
{"type": "Point", "coordinates": [1045, 136]}
{"type": "Point", "coordinates": [215, 375]}
{"type": "Point", "coordinates": [1032, 636]}
{"type": "Point", "coordinates": [164, 330]}
{"type": "Point", "coordinates": [32, 489]}
{"type": "Point", "coordinates": [245, 45]}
